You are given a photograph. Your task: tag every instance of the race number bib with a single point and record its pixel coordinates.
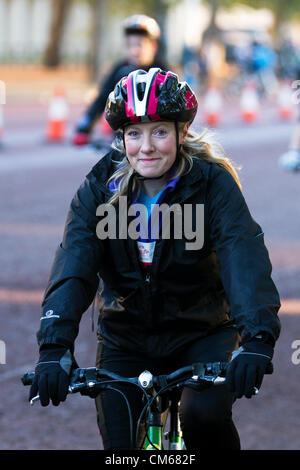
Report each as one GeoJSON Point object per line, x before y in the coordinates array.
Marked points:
{"type": "Point", "coordinates": [146, 250]}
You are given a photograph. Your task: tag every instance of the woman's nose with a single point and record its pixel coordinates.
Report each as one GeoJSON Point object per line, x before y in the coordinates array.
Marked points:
{"type": "Point", "coordinates": [147, 145]}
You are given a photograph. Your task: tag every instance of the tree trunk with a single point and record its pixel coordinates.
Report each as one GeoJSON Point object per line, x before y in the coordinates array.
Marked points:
{"type": "Point", "coordinates": [160, 10]}
{"type": "Point", "coordinates": [279, 13]}
{"type": "Point", "coordinates": [212, 31]}
{"type": "Point", "coordinates": [60, 10]}
{"type": "Point", "coordinates": [95, 57]}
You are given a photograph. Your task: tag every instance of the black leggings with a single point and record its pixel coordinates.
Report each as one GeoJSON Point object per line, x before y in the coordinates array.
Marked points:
{"type": "Point", "coordinates": [205, 416]}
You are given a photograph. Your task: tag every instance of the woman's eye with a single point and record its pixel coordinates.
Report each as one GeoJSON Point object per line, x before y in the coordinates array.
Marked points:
{"type": "Point", "coordinates": [160, 132]}
{"type": "Point", "coordinates": [132, 133]}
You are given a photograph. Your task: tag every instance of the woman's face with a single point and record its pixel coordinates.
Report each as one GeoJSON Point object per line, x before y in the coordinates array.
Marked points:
{"type": "Point", "coordinates": [151, 147]}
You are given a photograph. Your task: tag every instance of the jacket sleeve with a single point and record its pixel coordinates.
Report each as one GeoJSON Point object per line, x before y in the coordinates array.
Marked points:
{"type": "Point", "coordinates": [96, 109]}
{"type": "Point", "coordinates": [245, 264]}
{"type": "Point", "coordinates": [73, 278]}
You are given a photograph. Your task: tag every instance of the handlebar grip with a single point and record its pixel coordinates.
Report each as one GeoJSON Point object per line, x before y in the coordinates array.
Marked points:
{"type": "Point", "coordinates": [27, 378]}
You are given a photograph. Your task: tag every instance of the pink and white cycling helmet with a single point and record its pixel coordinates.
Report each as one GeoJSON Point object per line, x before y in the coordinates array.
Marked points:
{"type": "Point", "coordinates": [155, 95]}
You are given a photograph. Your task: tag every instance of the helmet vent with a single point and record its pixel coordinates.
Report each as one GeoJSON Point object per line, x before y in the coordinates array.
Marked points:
{"type": "Point", "coordinates": [124, 92]}
{"type": "Point", "coordinates": [171, 84]}
{"type": "Point", "coordinates": [158, 89]}
{"type": "Point", "coordinates": [141, 87]}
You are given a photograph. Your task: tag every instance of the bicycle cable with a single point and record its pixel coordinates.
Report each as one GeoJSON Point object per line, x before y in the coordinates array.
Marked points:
{"type": "Point", "coordinates": [129, 412]}
{"type": "Point", "coordinates": [167, 387]}
{"type": "Point", "coordinates": [109, 382]}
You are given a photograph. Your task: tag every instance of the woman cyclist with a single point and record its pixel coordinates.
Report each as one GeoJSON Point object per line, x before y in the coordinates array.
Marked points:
{"type": "Point", "coordinates": [164, 302]}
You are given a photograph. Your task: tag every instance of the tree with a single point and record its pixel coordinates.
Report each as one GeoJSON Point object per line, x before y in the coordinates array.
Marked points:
{"type": "Point", "coordinates": [282, 10]}
{"type": "Point", "coordinates": [59, 14]}
{"type": "Point", "coordinates": [212, 31]}
{"type": "Point", "coordinates": [99, 10]}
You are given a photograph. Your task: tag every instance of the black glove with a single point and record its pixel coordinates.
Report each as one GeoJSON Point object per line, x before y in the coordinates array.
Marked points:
{"type": "Point", "coordinates": [52, 374]}
{"type": "Point", "coordinates": [248, 366]}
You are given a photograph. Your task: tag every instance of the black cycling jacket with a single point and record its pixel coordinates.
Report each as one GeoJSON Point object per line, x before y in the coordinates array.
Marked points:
{"type": "Point", "coordinates": [186, 295]}
{"type": "Point", "coordinates": [120, 70]}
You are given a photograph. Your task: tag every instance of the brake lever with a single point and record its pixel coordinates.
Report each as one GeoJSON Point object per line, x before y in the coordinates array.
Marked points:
{"type": "Point", "coordinates": [37, 397]}
{"type": "Point", "coordinates": [210, 380]}
{"type": "Point", "coordinates": [34, 399]}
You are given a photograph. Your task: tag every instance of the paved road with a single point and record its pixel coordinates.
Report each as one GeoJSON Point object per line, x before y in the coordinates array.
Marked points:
{"type": "Point", "coordinates": [37, 182]}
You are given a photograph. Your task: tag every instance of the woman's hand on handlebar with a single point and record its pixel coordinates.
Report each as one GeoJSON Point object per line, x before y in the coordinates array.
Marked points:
{"type": "Point", "coordinates": [248, 367]}
{"type": "Point", "coordinates": [52, 372]}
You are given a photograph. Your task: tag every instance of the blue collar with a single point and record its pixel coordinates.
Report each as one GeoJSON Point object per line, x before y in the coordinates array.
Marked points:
{"type": "Point", "coordinates": [113, 186]}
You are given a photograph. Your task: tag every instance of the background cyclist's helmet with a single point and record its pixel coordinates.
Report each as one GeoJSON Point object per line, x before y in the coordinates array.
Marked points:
{"type": "Point", "coordinates": [142, 24]}
{"type": "Point", "coordinates": [155, 95]}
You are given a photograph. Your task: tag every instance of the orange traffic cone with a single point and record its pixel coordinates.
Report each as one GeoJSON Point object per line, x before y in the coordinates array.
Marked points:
{"type": "Point", "coordinates": [57, 116]}
{"type": "Point", "coordinates": [212, 106]}
{"type": "Point", "coordinates": [249, 103]}
{"type": "Point", "coordinates": [285, 103]}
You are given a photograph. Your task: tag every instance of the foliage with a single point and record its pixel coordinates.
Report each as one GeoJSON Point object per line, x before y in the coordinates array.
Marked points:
{"type": "Point", "coordinates": [288, 9]}
{"type": "Point", "coordinates": [128, 7]}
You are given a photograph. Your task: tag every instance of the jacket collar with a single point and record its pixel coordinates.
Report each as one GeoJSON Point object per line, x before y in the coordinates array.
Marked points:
{"type": "Point", "coordinates": [187, 184]}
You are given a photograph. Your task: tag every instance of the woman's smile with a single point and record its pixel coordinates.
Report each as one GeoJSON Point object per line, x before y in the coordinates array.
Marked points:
{"type": "Point", "coordinates": [149, 160]}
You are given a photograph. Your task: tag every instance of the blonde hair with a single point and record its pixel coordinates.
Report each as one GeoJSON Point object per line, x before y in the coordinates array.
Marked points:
{"type": "Point", "coordinates": [193, 146]}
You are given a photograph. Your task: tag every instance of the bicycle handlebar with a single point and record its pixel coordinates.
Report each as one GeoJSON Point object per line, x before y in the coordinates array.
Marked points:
{"type": "Point", "coordinates": [82, 375]}
{"type": "Point", "coordinates": [201, 374]}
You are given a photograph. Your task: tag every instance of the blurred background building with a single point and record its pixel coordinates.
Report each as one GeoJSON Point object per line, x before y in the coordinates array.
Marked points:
{"type": "Point", "coordinates": [88, 31]}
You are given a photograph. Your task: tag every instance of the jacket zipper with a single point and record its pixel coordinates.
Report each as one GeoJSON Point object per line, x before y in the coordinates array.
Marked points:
{"type": "Point", "coordinates": [148, 306]}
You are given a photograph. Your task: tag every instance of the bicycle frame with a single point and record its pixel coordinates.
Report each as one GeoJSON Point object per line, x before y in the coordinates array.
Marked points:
{"type": "Point", "coordinates": [155, 425]}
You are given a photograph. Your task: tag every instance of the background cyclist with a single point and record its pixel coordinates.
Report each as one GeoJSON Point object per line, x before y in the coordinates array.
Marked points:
{"type": "Point", "coordinates": [141, 43]}
{"type": "Point", "coordinates": [290, 160]}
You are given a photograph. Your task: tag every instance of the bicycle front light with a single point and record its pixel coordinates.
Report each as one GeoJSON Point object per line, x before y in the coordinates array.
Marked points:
{"type": "Point", "coordinates": [145, 379]}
